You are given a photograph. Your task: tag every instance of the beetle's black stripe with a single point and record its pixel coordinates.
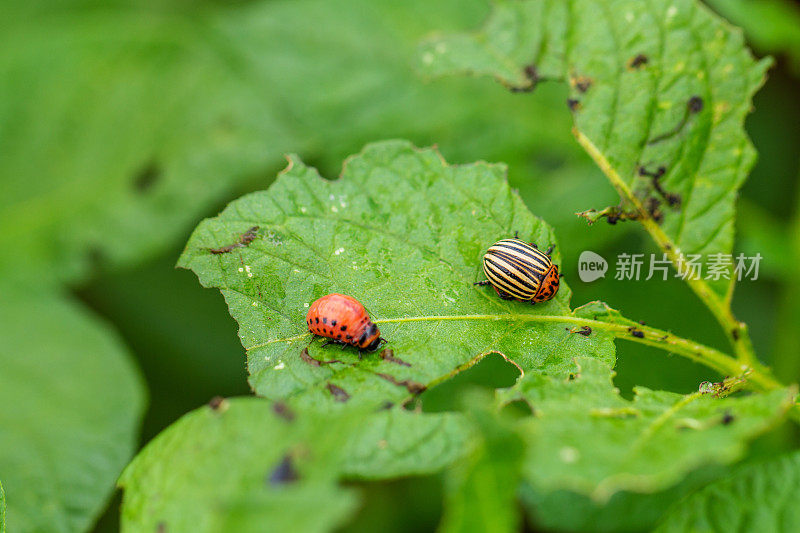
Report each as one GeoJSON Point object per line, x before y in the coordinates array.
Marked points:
{"type": "Point", "coordinates": [531, 269]}
{"type": "Point", "coordinates": [517, 268]}
{"type": "Point", "coordinates": [508, 288]}
{"type": "Point", "coordinates": [504, 276]}
{"type": "Point", "coordinates": [522, 249]}
{"type": "Point", "coordinates": [509, 270]}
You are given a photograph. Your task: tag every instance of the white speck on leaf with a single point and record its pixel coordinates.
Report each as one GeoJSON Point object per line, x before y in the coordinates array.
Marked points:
{"type": "Point", "coordinates": [338, 251]}
{"type": "Point", "coordinates": [672, 11]}
{"type": "Point", "coordinates": [441, 48]}
{"type": "Point", "coordinates": [568, 454]}
{"type": "Point", "coordinates": [427, 58]}
{"type": "Point", "coordinates": [279, 366]}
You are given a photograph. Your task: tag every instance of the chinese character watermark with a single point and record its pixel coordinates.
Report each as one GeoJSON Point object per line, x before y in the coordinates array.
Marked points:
{"type": "Point", "coordinates": [635, 267]}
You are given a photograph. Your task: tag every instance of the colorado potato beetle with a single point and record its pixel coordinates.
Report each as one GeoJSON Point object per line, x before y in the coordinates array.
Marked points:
{"type": "Point", "coordinates": [343, 320]}
{"type": "Point", "coordinates": [518, 270]}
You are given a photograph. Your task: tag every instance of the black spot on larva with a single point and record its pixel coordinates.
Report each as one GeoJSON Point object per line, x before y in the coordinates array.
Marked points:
{"type": "Point", "coordinates": [339, 336]}
{"type": "Point", "coordinates": [349, 337]}
{"type": "Point", "coordinates": [333, 322]}
{"type": "Point", "coordinates": [324, 320]}
{"type": "Point", "coordinates": [284, 472]}
{"type": "Point", "coordinates": [343, 328]}
{"type": "Point", "coordinates": [695, 104]}
{"type": "Point", "coordinates": [316, 319]}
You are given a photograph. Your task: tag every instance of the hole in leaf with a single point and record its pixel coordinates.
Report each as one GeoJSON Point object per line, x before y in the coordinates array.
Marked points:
{"type": "Point", "coordinates": [491, 372]}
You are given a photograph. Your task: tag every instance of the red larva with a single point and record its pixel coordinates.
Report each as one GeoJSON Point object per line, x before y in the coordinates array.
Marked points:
{"type": "Point", "coordinates": [344, 320]}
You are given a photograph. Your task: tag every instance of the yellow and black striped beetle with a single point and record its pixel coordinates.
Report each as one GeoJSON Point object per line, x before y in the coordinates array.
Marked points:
{"type": "Point", "coordinates": [518, 270]}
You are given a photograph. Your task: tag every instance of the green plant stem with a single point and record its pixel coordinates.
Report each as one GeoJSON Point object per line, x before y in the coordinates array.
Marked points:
{"type": "Point", "coordinates": [735, 331]}
{"type": "Point", "coordinates": [758, 376]}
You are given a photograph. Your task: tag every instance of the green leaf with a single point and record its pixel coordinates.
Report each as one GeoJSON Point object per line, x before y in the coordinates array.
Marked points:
{"type": "Point", "coordinates": [73, 402]}
{"type": "Point", "coordinates": [2, 509]}
{"type": "Point", "coordinates": [402, 232]}
{"type": "Point", "coordinates": [763, 496]}
{"type": "Point", "coordinates": [396, 442]}
{"type": "Point", "coordinates": [636, 70]}
{"type": "Point", "coordinates": [481, 492]}
{"type": "Point", "coordinates": [228, 465]}
{"type": "Point", "coordinates": [239, 462]}
{"type": "Point", "coordinates": [122, 124]}
{"type": "Point", "coordinates": [642, 445]}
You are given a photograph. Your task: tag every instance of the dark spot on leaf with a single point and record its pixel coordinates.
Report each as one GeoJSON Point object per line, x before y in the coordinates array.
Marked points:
{"type": "Point", "coordinates": [642, 323]}
{"type": "Point", "coordinates": [695, 104]}
{"type": "Point", "coordinates": [735, 334]}
{"type": "Point", "coordinates": [283, 411]}
{"type": "Point", "coordinates": [147, 177]}
{"type": "Point", "coordinates": [388, 355]}
{"type": "Point", "coordinates": [216, 403]}
{"type": "Point", "coordinates": [585, 331]}
{"type": "Point", "coordinates": [284, 472]}
{"type": "Point", "coordinates": [386, 406]}
{"type": "Point", "coordinates": [727, 418]}
{"type": "Point", "coordinates": [531, 73]}
{"type": "Point", "coordinates": [637, 61]}
{"type": "Point", "coordinates": [573, 104]}
{"type": "Point", "coordinates": [412, 386]}
{"type": "Point", "coordinates": [339, 394]}
{"type": "Point", "coordinates": [304, 355]}
{"type": "Point", "coordinates": [571, 377]}
{"type": "Point", "coordinates": [161, 527]}
{"type": "Point", "coordinates": [582, 83]}
{"type": "Point", "coordinates": [639, 334]}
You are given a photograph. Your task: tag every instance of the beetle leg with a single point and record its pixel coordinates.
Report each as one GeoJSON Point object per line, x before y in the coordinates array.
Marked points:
{"type": "Point", "coordinates": [324, 344]}
{"type": "Point", "coordinates": [502, 294]}
{"type": "Point", "coordinates": [516, 234]}
{"type": "Point", "coordinates": [344, 345]}
{"type": "Point", "coordinates": [550, 250]}
{"type": "Point", "coordinates": [482, 283]}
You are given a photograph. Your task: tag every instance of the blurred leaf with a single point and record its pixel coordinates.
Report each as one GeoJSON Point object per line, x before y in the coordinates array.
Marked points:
{"type": "Point", "coordinates": [239, 464]}
{"type": "Point", "coordinates": [763, 496]}
{"type": "Point", "coordinates": [642, 445]}
{"type": "Point", "coordinates": [402, 232]}
{"type": "Point", "coordinates": [482, 491]}
{"type": "Point", "coordinates": [770, 25]}
{"type": "Point", "coordinates": [2, 509]}
{"type": "Point", "coordinates": [395, 443]}
{"type": "Point", "coordinates": [72, 401]}
{"type": "Point", "coordinates": [248, 465]}
{"type": "Point", "coordinates": [121, 124]}
{"type": "Point", "coordinates": [660, 83]}
{"type": "Point", "coordinates": [761, 233]}
{"type": "Point", "coordinates": [563, 510]}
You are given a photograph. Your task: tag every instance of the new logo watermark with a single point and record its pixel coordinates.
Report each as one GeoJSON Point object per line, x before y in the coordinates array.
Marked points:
{"type": "Point", "coordinates": [591, 266]}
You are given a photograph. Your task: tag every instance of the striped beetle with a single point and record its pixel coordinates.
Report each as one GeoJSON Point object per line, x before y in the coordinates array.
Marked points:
{"type": "Point", "coordinates": [520, 271]}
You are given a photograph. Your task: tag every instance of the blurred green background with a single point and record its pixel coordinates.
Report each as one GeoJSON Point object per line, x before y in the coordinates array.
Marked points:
{"type": "Point", "coordinates": [129, 121]}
